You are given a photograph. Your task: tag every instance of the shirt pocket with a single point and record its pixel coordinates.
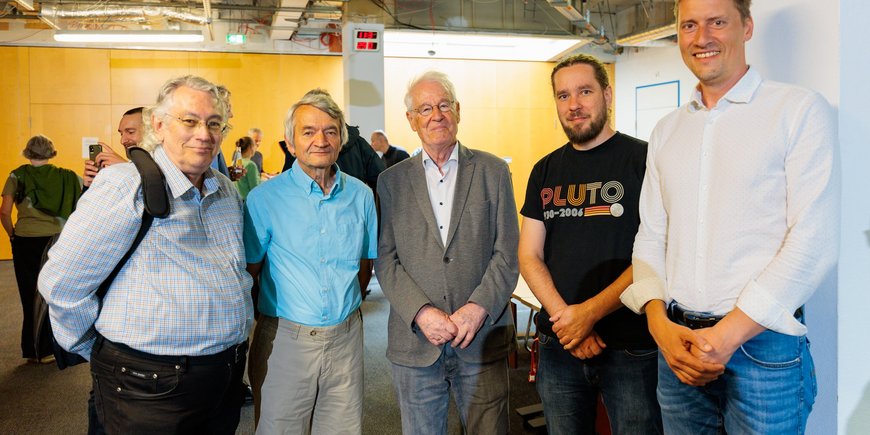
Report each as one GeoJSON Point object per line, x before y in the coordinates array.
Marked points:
{"type": "Point", "coordinates": [348, 244]}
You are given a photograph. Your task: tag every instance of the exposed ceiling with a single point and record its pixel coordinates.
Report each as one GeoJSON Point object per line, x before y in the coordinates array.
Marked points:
{"type": "Point", "coordinates": [301, 26]}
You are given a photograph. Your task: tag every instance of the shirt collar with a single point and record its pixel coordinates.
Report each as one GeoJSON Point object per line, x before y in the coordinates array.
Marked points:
{"type": "Point", "coordinates": [741, 92]}
{"type": "Point", "coordinates": [307, 184]}
{"type": "Point", "coordinates": [178, 183]}
{"type": "Point", "coordinates": [454, 156]}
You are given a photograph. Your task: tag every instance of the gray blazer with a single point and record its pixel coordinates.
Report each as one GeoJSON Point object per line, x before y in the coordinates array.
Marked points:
{"type": "Point", "coordinates": [479, 263]}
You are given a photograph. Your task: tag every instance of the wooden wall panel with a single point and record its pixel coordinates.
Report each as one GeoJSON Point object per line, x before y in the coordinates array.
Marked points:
{"type": "Point", "coordinates": [137, 75]}
{"type": "Point", "coordinates": [15, 116]}
{"type": "Point", "coordinates": [69, 76]}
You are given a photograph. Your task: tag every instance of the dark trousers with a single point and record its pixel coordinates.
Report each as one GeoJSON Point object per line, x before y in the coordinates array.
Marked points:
{"type": "Point", "coordinates": [27, 259]}
{"type": "Point", "coordinates": [136, 392]}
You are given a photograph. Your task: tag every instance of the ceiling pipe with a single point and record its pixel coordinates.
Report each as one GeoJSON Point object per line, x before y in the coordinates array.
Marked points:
{"type": "Point", "coordinates": [206, 6]}
{"type": "Point", "coordinates": [109, 12]}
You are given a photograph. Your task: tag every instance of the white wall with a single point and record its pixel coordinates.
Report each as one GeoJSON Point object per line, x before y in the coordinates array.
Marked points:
{"type": "Point", "coordinates": [854, 322]}
{"type": "Point", "coordinates": [642, 68]}
{"type": "Point", "coordinates": [795, 41]}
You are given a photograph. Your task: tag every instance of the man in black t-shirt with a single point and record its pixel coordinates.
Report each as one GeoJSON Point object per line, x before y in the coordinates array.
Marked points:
{"type": "Point", "coordinates": [579, 220]}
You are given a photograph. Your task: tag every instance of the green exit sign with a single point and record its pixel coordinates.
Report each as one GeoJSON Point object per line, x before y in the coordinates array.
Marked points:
{"type": "Point", "coordinates": [236, 38]}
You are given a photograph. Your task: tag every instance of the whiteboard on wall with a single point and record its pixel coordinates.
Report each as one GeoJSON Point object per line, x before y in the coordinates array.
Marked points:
{"type": "Point", "coordinates": [651, 103]}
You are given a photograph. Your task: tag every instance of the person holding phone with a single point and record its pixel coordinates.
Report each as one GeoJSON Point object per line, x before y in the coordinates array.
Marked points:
{"type": "Point", "coordinates": [130, 129]}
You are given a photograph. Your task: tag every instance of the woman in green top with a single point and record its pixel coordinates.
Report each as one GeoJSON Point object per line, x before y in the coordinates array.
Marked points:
{"type": "Point", "coordinates": [252, 177]}
{"type": "Point", "coordinates": [45, 195]}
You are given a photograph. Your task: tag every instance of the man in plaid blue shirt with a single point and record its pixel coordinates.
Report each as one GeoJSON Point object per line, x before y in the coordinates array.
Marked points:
{"type": "Point", "coordinates": [167, 345]}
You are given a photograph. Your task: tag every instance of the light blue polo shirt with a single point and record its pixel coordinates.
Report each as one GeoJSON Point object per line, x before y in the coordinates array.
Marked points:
{"type": "Point", "coordinates": [310, 245]}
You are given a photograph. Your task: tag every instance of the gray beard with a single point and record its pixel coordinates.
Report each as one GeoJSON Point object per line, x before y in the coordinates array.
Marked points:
{"type": "Point", "coordinates": [581, 137]}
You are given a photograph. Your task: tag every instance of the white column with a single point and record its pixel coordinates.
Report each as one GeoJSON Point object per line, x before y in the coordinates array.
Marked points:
{"type": "Point", "coordinates": [363, 77]}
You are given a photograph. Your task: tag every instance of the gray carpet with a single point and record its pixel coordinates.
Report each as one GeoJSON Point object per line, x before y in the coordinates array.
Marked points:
{"type": "Point", "coordinates": [39, 399]}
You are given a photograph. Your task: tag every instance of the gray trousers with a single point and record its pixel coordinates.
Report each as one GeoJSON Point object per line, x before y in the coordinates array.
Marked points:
{"type": "Point", "coordinates": [306, 379]}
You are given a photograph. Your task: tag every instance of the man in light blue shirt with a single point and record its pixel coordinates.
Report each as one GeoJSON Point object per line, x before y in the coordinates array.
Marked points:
{"type": "Point", "coordinates": [309, 233]}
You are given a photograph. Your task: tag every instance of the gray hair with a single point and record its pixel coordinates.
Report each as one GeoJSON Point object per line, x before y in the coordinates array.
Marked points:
{"type": "Point", "coordinates": [430, 76]}
{"type": "Point", "coordinates": [39, 147]}
{"type": "Point", "coordinates": [253, 130]}
{"type": "Point", "coordinates": [219, 94]}
{"type": "Point", "coordinates": [321, 100]}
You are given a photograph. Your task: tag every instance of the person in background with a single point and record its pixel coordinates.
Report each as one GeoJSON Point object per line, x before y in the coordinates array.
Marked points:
{"type": "Point", "coordinates": [252, 176]}
{"type": "Point", "coordinates": [130, 129]}
{"type": "Point", "coordinates": [167, 343]}
{"type": "Point", "coordinates": [389, 153]}
{"type": "Point", "coordinates": [45, 196]}
{"type": "Point", "coordinates": [739, 227]}
{"type": "Point", "coordinates": [310, 233]}
{"type": "Point", "coordinates": [257, 136]}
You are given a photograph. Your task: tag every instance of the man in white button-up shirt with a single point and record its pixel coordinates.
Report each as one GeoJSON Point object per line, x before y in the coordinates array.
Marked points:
{"type": "Point", "coordinates": [739, 226]}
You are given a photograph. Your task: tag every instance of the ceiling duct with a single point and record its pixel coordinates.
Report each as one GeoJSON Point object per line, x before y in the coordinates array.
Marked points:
{"type": "Point", "coordinates": [647, 24]}
{"type": "Point", "coordinates": [118, 12]}
{"type": "Point", "coordinates": [285, 22]}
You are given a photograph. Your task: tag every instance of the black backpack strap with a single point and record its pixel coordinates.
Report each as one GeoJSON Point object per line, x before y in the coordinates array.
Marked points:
{"type": "Point", "coordinates": [153, 182]}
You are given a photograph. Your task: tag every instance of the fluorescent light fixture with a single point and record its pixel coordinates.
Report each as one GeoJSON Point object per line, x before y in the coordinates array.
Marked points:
{"type": "Point", "coordinates": [127, 36]}
{"type": "Point", "coordinates": [452, 45]}
{"type": "Point", "coordinates": [26, 4]}
{"type": "Point", "coordinates": [646, 38]}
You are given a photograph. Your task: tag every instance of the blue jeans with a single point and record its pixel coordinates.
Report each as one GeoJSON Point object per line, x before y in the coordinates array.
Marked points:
{"type": "Point", "coordinates": [569, 388]}
{"type": "Point", "coordinates": [479, 390]}
{"type": "Point", "coordinates": [768, 387]}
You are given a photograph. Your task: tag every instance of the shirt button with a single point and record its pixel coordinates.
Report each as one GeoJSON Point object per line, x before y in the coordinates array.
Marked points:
{"type": "Point", "coordinates": [323, 231]}
{"type": "Point", "coordinates": [446, 260]}
{"type": "Point", "coordinates": [323, 260]}
{"type": "Point", "coordinates": [441, 227]}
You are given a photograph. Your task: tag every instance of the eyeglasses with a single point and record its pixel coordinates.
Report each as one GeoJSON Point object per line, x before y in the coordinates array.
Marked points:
{"type": "Point", "coordinates": [426, 109]}
{"type": "Point", "coordinates": [213, 126]}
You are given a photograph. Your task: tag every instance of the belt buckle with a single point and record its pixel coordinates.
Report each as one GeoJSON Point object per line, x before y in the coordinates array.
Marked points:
{"type": "Point", "coordinates": [694, 321]}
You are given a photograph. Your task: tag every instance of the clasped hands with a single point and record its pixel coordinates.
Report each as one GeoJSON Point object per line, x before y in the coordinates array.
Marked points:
{"type": "Point", "coordinates": [458, 328]}
{"type": "Point", "coordinates": [697, 357]}
{"type": "Point", "coordinates": [573, 327]}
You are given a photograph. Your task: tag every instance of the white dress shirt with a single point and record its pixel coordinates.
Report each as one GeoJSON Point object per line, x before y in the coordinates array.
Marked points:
{"type": "Point", "coordinates": [740, 205]}
{"type": "Point", "coordinates": [442, 185]}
